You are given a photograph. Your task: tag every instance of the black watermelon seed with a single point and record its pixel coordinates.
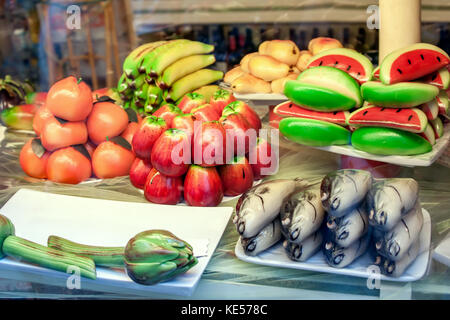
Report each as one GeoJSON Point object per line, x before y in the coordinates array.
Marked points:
{"type": "Point", "coordinates": [365, 112]}
{"type": "Point", "coordinates": [421, 57]}
{"type": "Point", "coordinates": [400, 71]}
{"type": "Point", "coordinates": [382, 109]}
{"type": "Point", "coordinates": [320, 63]}
{"type": "Point", "coordinates": [243, 174]}
{"type": "Point", "coordinates": [335, 112]}
{"type": "Point", "coordinates": [349, 68]}
{"type": "Point", "coordinates": [290, 105]}
{"type": "Point", "coordinates": [359, 73]}
{"type": "Point", "coordinates": [409, 61]}
{"type": "Point", "coordinates": [434, 77]}
{"type": "Point", "coordinates": [438, 59]}
{"type": "Point", "coordinates": [336, 63]}
{"type": "Point", "coordinates": [398, 110]}
{"type": "Point", "coordinates": [410, 117]}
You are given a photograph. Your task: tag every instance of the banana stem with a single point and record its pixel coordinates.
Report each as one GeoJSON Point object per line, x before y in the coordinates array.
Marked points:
{"type": "Point", "coordinates": [31, 252]}
{"type": "Point", "coordinates": [102, 256]}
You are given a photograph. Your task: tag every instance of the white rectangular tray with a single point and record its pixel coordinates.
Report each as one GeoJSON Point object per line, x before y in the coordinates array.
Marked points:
{"type": "Point", "coordinates": [420, 160]}
{"type": "Point", "coordinates": [276, 257]}
{"type": "Point", "coordinates": [36, 215]}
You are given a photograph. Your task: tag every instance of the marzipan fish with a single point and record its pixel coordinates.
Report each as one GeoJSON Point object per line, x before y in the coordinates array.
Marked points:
{"type": "Point", "coordinates": [301, 215]}
{"type": "Point", "coordinates": [397, 268]}
{"type": "Point", "coordinates": [266, 238]}
{"type": "Point", "coordinates": [304, 250]}
{"type": "Point", "coordinates": [349, 228]}
{"type": "Point", "coordinates": [340, 257]}
{"type": "Point", "coordinates": [394, 244]}
{"type": "Point", "coordinates": [389, 199]}
{"type": "Point", "coordinates": [343, 190]}
{"type": "Point", "coordinates": [261, 204]}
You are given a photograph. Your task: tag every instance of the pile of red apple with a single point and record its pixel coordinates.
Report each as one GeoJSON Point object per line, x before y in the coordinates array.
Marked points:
{"type": "Point", "coordinates": [182, 152]}
{"type": "Point", "coordinates": [79, 135]}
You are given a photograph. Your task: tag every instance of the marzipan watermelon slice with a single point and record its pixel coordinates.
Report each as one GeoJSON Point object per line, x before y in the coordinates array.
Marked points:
{"type": "Point", "coordinates": [399, 95]}
{"type": "Point", "coordinates": [438, 127]}
{"type": "Point", "coordinates": [289, 109]}
{"type": "Point", "coordinates": [428, 134]}
{"type": "Point", "coordinates": [412, 62]}
{"type": "Point", "coordinates": [431, 109]}
{"type": "Point", "coordinates": [412, 119]}
{"type": "Point", "coordinates": [324, 89]}
{"type": "Point", "coordinates": [376, 74]}
{"type": "Point", "coordinates": [440, 79]}
{"type": "Point", "coordinates": [442, 102]}
{"type": "Point", "coordinates": [348, 60]}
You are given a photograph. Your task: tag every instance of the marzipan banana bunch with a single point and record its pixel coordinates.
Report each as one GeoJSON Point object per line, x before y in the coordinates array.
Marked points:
{"type": "Point", "coordinates": [176, 66]}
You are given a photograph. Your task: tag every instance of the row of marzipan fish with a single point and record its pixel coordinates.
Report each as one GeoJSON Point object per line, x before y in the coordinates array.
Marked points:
{"type": "Point", "coordinates": [351, 213]}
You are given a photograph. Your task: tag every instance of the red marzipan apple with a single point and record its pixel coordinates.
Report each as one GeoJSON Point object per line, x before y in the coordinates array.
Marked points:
{"type": "Point", "coordinates": [162, 189]}
{"type": "Point", "coordinates": [167, 112]}
{"type": "Point", "coordinates": [206, 112]}
{"type": "Point", "coordinates": [209, 143]}
{"type": "Point", "coordinates": [237, 177]}
{"type": "Point", "coordinates": [246, 111]}
{"type": "Point", "coordinates": [261, 156]}
{"type": "Point", "coordinates": [149, 130]}
{"type": "Point", "coordinates": [190, 101]}
{"type": "Point", "coordinates": [171, 153]}
{"type": "Point", "coordinates": [138, 172]}
{"type": "Point", "coordinates": [239, 134]}
{"type": "Point", "coordinates": [185, 122]}
{"type": "Point", "coordinates": [221, 98]}
{"type": "Point", "coordinates": [202, 187]}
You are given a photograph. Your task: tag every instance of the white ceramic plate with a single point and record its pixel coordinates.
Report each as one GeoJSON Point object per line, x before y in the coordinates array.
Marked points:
{"type": "Point", "coordinates": [276, 257]}
{"type": "Point", "coordinates": [37, 215]}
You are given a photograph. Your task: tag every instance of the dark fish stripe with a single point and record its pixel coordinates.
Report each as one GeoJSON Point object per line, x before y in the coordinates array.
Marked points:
{"type": "Point", "coordinates": [407, 229]}
{"type": "Point", "coordinates": [398, 193]}
{"type": "Point", "coordinates": [315, 210]}
{"type": "Point", "coordinates": [362, 218]}
{"type": "Point", "coordinates": [354, 182]}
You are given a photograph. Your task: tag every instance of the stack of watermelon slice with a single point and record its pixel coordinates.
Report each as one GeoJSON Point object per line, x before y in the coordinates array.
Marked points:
{"type": "Point", "coordinates": [397, 108]}
{"type": "Point", "coordinates": [404, 102]}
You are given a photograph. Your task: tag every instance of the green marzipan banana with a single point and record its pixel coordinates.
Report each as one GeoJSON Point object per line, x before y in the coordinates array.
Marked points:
{"type": "Point", "coordinates": [134, 60]}
{"type": "Point", "coordinates": [154, 54]}
{"type": "Point", "coordinates": [177, 52]}
{"type": "Point", "coordinates": [31, 252]}
{"type": "Point", "coordinates": [191, 82]}
{"type": "Point", "coordinates": [102, 256]}
{"type": "Point", "coordinates": [183, 67]}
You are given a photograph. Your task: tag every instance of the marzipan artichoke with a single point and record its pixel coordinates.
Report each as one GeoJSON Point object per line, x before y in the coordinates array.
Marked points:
{"type": "Point", "coordinates": [154, 256]}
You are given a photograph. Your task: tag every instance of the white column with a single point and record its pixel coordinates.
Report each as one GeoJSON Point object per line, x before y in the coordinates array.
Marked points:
{"type": "Point", "coordinates": [400, 22]}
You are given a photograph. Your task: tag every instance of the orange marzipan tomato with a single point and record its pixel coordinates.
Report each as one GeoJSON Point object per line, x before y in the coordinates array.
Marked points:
{"type": "Point", "coordinates": [70, 100]}
{"type": "Point", "coordinates": [111, 160]}
{"type": "Point", "coordinates": [31, 164]}
{"type": "Point", "coordinates": [67, 165]}
{"type": "Point", "coordinates": [55, 135]}
{"type": "Point", "coordinates": [106, 120]}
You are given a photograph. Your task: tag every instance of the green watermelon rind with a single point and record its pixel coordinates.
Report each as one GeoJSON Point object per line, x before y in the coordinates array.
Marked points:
{"type": "Point", "coordinates": [420, 115]}
{"type": "Point", "coordinates": [315, 133]}
{"type": "Point", "coordinates": [438, 127]}
{"type": "Point", "coordinates": [363, 60]}
{"type": "Point", "coordinates": [317, 98]}
{"type": "Point", "coordinates": [429, 134]}
{"type": "Point", "coordinates": [330, 78]}
{"type": "Point", "coordinates": [398, 95]}
{"type": "Point", "coordinates": [389, 141]}
{"type": "Point", "coordinates": [386, 64]}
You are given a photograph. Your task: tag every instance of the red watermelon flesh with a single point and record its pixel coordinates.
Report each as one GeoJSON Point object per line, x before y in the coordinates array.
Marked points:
{"type": "Point", "coordinates": [415, 64]}
{"type": "Point", "coordinates": [428, 134]}
{"type": "Point", "coordinates": [289, 109]}
{"type": "Point", "coordinates": [376, 73]}
{"type": "Point", "coordinates": [442, 103]}
{"type": "Point", "coordinates": [353, 67]}
{"type": "Point", "coordinates": [408, 119]}
{"type": "Point", "coordinates": [439, 78]}
{"type": "Point", "coordinates": [431, 109]}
